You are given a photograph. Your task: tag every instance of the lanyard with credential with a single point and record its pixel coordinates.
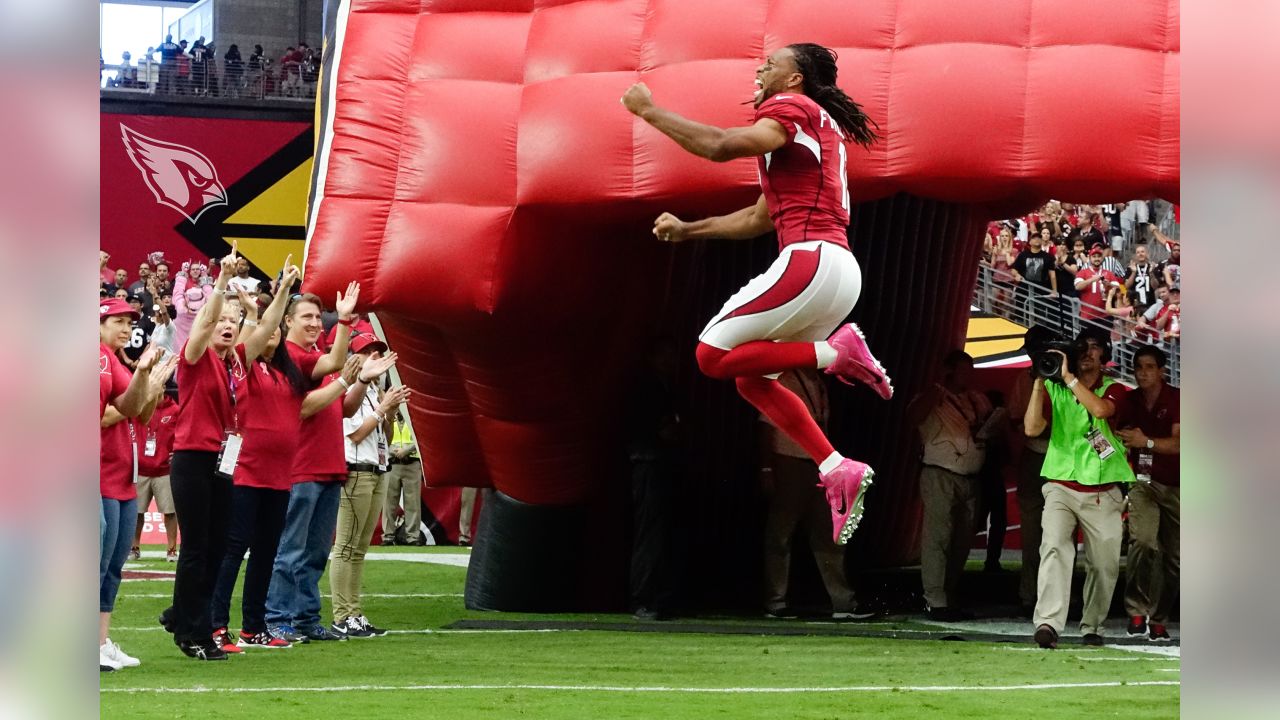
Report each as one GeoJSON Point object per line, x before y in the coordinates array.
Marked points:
{"type": "Point", "coordinates": [232, 441]}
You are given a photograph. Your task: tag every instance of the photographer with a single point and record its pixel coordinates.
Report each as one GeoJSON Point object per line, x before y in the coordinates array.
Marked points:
{"type": "Point", "coordinates": [1084, 466]}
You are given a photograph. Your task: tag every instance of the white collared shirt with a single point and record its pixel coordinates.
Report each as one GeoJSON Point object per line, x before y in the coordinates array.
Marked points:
{"type": "Point", "coordinates": [366, 452]}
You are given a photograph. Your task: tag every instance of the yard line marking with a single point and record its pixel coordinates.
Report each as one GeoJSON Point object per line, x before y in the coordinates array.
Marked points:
{"type": "Point", "coordinates": [1137, 659]}
{"type": "Point", "coordinates": [367, 595]}
{"type": "Point", "coordinates": [1168, 669]}
{"type": "Point", "coordinates": [651, 689]}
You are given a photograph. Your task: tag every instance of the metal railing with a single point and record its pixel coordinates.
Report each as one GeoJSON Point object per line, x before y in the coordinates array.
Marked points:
{"type": "Point", "coordinates": [289, 81]}
{"type": "Point", "coordinates": [1028, 305]}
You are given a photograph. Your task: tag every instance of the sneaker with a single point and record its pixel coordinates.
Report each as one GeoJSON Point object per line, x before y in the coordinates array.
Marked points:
{"type": "Point", "coordinates": [288, 634]}
{"type": "Point", "coordinates": [948, 614]}
{"type": "Point", "coordinates": [855, 363]}
{"type": "Point", "coordinates": [262, 639]}
{"type": "Point", "coordinates": [846, 488]}
{"type": "Point", "coordinates": [113, 651]}
{"type": "Point", "coordinates": [855, 614]}
{"type": "Point", "coordinates": [320, 633]}
{"type": "Point", "coordinates": [223, 639]}
{"type": "Point", "coordinates": [1159, 633]}
{"type": "Point", "coordinates": [107, 662]}
{"type": "Point", "coordinates": [364, 623]}
{"type": "Point", "coordinates": [350, 627]}
{"type": "Point", "coordinates": [1092, 639]}
{"type": "Point", "coordinates": [201, 650]}
{"type": "Point", "coordinates": [781, 613]}
{"type": "Point", "coordinates": [1046, 637]}
{"type": "Point", "coordinates": [1137, 626]}
{"type": "Point", "coordinates": [135, 553]}
{"type": "Point", "coordinates": [171, 555]}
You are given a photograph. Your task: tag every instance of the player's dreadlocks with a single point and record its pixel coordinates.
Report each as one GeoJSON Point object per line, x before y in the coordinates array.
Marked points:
{"type": "Point", "coordinates": [818, 66]}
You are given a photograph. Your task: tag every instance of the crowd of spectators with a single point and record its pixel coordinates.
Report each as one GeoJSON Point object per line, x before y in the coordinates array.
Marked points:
{"type": "Point", "coordinates": [259, 420]}
{"type": "Point", "coordinates": [197, 69]}
{"type": "Point", "coordinates": [1107, 266]}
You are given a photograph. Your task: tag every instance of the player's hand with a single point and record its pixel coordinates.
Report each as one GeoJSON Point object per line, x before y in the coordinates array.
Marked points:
{"type": "Point", "coordinates": [669, 228]}
{"type": "Point", "coordinates": [637, 98]}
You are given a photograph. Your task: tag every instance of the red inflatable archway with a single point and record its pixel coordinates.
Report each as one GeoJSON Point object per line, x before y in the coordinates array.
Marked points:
{"type": "Point", "coordinates": [476, 173]}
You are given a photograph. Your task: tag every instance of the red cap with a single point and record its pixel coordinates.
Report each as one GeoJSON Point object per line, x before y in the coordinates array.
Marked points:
{"type": "Point", "coordinates": [364, 341]}
{"type": "Point", "coordinates": [1096, 249]}
{"type": "Point", "coordinates": [116, 306]}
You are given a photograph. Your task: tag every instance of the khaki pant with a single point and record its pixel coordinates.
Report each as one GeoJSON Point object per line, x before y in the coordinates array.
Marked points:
{"type": "Point", "coordinates": [1098, 515]}
{"type": "Point", "coordinates": [466, 508]}
{"type": "Point", "coordinates": [1030, 508]}
{"type": "Point", "coordinates": [357, 512]}
{"type": "Point", "coordinates": [403, 480]}
{"type": "Point", "coordinates": [1154, 551]}
{"type": "Point", "coordinates": [950, 502]}
{"type": "Point", "coordinates": [798, 502]}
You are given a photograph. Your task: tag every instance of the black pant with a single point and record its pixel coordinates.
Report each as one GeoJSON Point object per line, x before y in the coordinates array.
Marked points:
{"type": "Point", "coordinates": [257, 519]}
{"type": "Point", "coordinates": [202, 500]}
{"type": "Point", "coordinates": [653, 498]}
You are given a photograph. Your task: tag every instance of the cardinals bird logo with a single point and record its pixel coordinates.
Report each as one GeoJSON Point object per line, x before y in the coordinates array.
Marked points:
{"type": "Point", "coordinates": [178, 176]}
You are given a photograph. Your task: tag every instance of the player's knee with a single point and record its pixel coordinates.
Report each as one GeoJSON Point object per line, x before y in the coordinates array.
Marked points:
{"type": "Point", "coordinates": [711, 361]}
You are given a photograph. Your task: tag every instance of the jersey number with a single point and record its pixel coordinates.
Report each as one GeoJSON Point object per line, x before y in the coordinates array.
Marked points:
{"type": "Point", "coordinates": [844, 160]}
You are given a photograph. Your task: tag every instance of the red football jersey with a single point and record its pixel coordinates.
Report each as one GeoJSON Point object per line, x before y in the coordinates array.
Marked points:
{"type": "Point", "coordinates": [1093, 297]}
{"type": "Point", "coordinates": [805, 182]}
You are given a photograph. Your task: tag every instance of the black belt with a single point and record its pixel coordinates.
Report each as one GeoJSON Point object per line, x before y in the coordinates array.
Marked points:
{"type": "Point", "coordinates": [362, 467]}
{"type": "Point", "coordinates": [405, 461]}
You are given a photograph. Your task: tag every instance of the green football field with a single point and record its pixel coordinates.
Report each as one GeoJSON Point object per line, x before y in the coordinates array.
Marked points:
{"type": "Point", "coordinates": [425, 669]}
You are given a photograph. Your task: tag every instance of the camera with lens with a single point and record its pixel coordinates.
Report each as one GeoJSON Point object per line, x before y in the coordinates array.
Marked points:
{"type": "Point", "coordinates": [1042, 345]}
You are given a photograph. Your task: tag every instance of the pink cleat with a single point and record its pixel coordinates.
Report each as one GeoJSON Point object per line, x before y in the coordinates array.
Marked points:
{"type": "Point", "coordinates": [855, 363]}
{"type": "Point", "coordinates": [846, 488]}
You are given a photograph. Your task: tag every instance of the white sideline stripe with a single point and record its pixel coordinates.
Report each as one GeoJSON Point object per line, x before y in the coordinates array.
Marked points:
{"type": "Point", "coordinates": [363, 595]}
{"type": "Point", "coordinates": [654, 689]}
{"type": "Point", "coordinates": [1139, 659]}
{"type": "Point", "coordinates": [424, 631]}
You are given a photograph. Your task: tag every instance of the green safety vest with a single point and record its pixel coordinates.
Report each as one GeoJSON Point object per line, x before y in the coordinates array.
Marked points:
{"type": "Point", "coordinates": [1070, 456]}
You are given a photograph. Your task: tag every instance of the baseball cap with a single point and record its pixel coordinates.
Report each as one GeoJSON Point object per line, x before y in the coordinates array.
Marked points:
{"type": "Point", "coordinates": [366, 341]}
{"type": "Point", "coordinates": [1096, 249]}
{"type": "Point", "coordinates": [116, 306]}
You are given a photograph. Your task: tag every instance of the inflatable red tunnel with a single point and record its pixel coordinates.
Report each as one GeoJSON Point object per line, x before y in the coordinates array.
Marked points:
{"type": "Point", "coordinates": [477, 174]}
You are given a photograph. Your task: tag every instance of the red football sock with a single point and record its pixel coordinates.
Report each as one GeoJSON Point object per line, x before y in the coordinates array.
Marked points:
{"type": "Point", "coordinates": [788, 412]}
{"type": "Point", "coordinates": [756, 358]}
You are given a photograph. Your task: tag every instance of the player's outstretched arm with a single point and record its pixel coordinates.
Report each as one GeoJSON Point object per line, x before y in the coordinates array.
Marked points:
{"type": "Point", "coordinates": [707, 141]}
{"type": "Point", "coordinates": [744, 224]}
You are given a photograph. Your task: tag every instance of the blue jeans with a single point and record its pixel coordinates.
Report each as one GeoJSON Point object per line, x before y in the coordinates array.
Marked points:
{"type": "Point", "coordinates": [294, 595]}
{"type": "Point", "coordinates": [119, 517]}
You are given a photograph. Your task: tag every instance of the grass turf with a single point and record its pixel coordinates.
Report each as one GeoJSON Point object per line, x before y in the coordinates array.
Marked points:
{"type": "Point", "coordinates": [591, 674]}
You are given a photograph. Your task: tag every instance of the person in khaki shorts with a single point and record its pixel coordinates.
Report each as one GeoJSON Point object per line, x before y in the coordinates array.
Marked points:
{"type": "Point", "coordinates": [155, 445]}
{"type": "Point", "coordinates": [1085, 467]}
{"type": "Point", "coordinates": [366, 434]}
{"type": "Point", "coordinates": [404, 478]}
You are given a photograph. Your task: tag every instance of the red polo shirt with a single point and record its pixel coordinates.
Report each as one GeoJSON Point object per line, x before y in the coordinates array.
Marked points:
{"type": "Point", "coordinates": [321, 454]}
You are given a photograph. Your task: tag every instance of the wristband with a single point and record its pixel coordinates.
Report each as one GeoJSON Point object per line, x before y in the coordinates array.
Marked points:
{"type": "Point", "coordinates": [1073, 383]}
{"type": "Point", "coordinates": [381, 418]}
{"type": "Point", "coordinates": [1150, 444]}
{"type": "Point", "coordinates": [347, 322]}
{"type": "Point", "coordinates": [345, 385]}
{"type": "Point", "coordinates": [251, 323]}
